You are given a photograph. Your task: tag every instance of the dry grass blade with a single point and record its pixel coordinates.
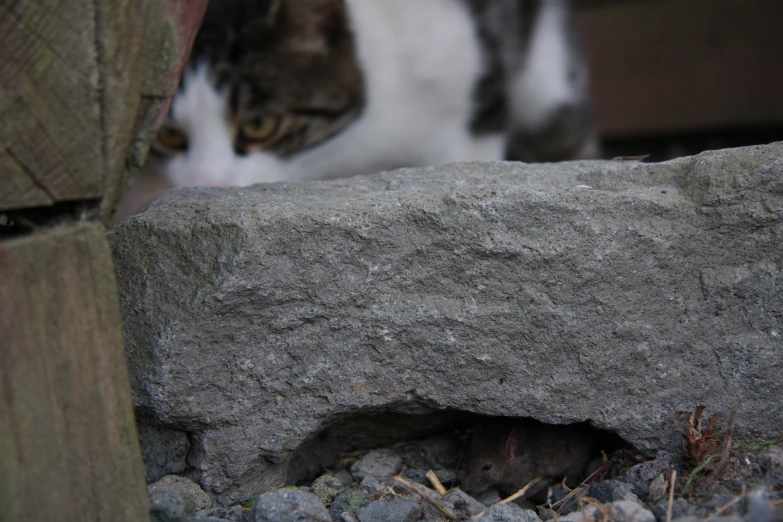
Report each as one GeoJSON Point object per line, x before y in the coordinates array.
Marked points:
{"type": "Point", "coordinates": [413, 488]}
{"type": "Point", "coordinates": [724, 460]}
{"type": "Point", "coordinates": [514, 496]}
{"type": "Point", "coordinates": [572, 499]}
{"type": "Point", "coordinates": [604, 509]}
{"type": "Point", "coordinates": [670, 504]}
{"type": "Point", "coordinates": [435, 482]}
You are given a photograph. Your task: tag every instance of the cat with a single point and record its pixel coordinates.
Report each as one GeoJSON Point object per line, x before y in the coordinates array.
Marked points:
{"type": "Point", "coordinates": [282, 90]}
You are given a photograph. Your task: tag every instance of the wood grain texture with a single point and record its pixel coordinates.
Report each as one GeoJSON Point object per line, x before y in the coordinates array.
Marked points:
{"type": "Point", "coordinates": [671, 66]}
{"type": "Point", "coordinates": [82, 84]}
{"type": "Point", "coordinates": [68, 446]}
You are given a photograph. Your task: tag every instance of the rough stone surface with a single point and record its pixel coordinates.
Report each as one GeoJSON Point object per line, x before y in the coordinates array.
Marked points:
{"type": "Point", "coordinates": [489, 497]}
{"type": "Point", "coordinates": [256, 317]}
{"type": "Point", "coordinates": [619, 511]}
{"type": "Point", "coordinates": [193, 497]}
{"type": "Point", "coordinates": [762, 507]}
{"type": "Point", "coordinates": [230, 514]}
{"type": "Point", "coordinates": [446, 477]}
{"type": "Point", "coordinates": [641, 475]}
{"type": "Point", "coordinates": [380, 464]}
{"type": "Point", "coordinates": [509, 513]}
{"type": "Point", "coordinates": [326, 487]}
{"type": "Point", "coordinates": [681, 508]}
{"type": "Point", "coordinates": [400, 510]}
{"type": "Point", "coordinates": [288, 505]}
{"type": "Point", "coordinates": [164, 451]}
{"type": "Point", "coordinates": [349, 501]}
{"type": "Point", "coordinates": [461, 501]}
{"type": "Point", "coordinates": [771, 461]}
{"type": "Point", "coordinates": [612, 490]}
{"type": "Point", "coordinates": [165, 506]}
{"type": "Point", "coordinates": [657, 489]}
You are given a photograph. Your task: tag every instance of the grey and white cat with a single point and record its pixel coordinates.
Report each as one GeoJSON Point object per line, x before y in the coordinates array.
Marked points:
{"type": "Point", "coordinates": [314, 89]}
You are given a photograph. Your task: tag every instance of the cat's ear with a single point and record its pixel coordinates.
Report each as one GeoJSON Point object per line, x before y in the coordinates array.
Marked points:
{"type": "Point", "coordinates": [262, 15]}
{"type": "Point", "coordinates": [271, 12]}
{"type": "Point", "coordinates": [315, 25]}
{"type": "Point", "coordinates": [515, 441]}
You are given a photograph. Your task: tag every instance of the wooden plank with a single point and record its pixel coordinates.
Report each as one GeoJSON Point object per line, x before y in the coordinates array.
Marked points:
{"type": "Point", "coordinates": [168, 47]}
{"type": "Point", "coordinates": [49, 117]}
{"type": "Point", "coordinates": [68, 445]}
{"type": "Point", "coordinates": [671, 66]}
{"type": "Point", "coordinates": [81, 85]}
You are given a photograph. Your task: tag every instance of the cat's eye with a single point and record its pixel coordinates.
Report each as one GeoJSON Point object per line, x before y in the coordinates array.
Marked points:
{"type": "Point", "coordinates": [487, 466]}
{"type": "Point", "coordinates": [171, 140]}
{"type": "Point", "coordinates": [259, 129]}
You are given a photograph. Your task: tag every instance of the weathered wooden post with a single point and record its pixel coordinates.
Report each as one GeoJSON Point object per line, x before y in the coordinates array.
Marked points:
{"type": "Point", "coordinates": [82, 84]}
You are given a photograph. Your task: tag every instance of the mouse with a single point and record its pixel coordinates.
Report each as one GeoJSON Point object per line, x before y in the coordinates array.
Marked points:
{"type": "Point", "coordinates": [508, 454]}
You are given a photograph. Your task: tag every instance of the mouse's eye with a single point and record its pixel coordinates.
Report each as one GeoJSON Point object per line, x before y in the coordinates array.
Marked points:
{"type": "Point", "coordinates": [486, 467]}
{"type": "Point", "coordinates": [258, 129]}
{"type": "Point", "coordinates": [170, 140]}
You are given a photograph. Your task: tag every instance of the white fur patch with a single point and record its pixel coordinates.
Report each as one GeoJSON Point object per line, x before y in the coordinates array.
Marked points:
{"type": "Point", "coordinates": [421, 61]}
{"type": "Point", "coordinates": [543, 85]}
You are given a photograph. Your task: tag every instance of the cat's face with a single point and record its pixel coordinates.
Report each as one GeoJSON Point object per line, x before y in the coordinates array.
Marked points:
{"type": "Point", "coordinates": [267, 79]}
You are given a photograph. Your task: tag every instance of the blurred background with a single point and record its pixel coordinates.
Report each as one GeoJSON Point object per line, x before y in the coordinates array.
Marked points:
{"type": "Point", "coordinates": [676, 77]}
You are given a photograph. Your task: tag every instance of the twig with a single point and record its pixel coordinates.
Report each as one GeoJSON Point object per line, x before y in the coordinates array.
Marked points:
{"type": "Point", "coordinates": [447, 512]}
{"type": "Point", "coordinates": [512, 497]}
{"type": "Point", "coordinates": [698, 469]}
{"type": "Point", "coordinates": [724, 460]}
{"type": "Point", "coordinates": [435, 482]}
{"type": "Point", "coordinates": [669, 506]}
{"type": "Point", "coordinates": [727, 505]}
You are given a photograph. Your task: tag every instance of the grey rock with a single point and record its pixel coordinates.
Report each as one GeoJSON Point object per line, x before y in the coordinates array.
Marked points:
{"type": "Point", "coordinates": [164, 451]}
{"type": "Point", "coordinates": [523, 291]}
{"type": "Point", "coordinates": [680, 509]}
{"type": "Point", "coordinates": [416, 475]}
{"type": "Point", "coordinates": [197, 518]}
{"type": "Point", "coordinates": [458, 500]}
{"type": "Point", "coordinates": [344, 477]}
{"type": "Point", "coordinates": [509, 513]}
{"type": "Point", "coordinates": [489, 497]}
{"type": "Point", "coordinates": [619, 511]}
{"type": "Point", "coordinates": [719, 500]}
{"type": "Point", "coordinates": [436, 451]}
{"type": "Point", "coordinates": [349, 501]}
{"type": "Point", "coordinates": [372, 484]}
{"type": "Point", "coordinates": [399, 510]}
{"type": "Point", "coordinates": [446, 477]}
{"type": "Point", "coordinates": [192, 495]}
{"type": "Point", "coordinates": [288, 505]}
{"type": "Point", "coordinates": [165, 506]}
{"type": "Point", "coordinates": [630, 511]}
{"type": "Point", "coordinates": [641, 475]}
{"type": "Point", "coordinates": [347, 516]}
{"type": "Point", "coordinates": [658, 488]}
{"type": "Point", "coordinates": [761, 507]}
{"type": "Point", "coordinates": [326, 487]}
{"type": "Point", "coordinates": [771, 461]}
{"type": "Point", "coordinates": [232, 514]}
{"type": "Point", "coordinates": [717, 519]}
{"type": "Point", "coordinates": [380, 464]}
{"type": "Point", "coordinates": [612, 490]}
